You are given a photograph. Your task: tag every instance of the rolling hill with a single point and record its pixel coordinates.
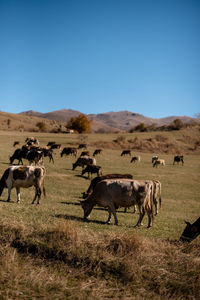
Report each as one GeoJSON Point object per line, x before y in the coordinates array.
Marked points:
{"type": "Point", "coordinates": [110, 121]}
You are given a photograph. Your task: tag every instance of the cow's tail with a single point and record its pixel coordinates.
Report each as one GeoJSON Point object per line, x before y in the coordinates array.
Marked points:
{"type": "Point", "coordinates": [3, 181]}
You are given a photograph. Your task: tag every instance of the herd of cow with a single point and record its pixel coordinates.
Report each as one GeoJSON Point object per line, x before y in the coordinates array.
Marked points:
{"type": "Point", "coordinates": [110, 191]}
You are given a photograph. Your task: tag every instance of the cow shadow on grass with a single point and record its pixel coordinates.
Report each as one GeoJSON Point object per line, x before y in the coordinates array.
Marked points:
{"type": "Point", "coordinates": [79, 219]}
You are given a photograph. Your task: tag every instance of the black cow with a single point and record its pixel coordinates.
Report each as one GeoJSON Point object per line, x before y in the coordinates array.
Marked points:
{"type": "Point", "coordinates": [18, 155]}
{"type": "Point", "coordinates": [97, 151]}
{"type": "Point", "coordinates": [85, 153]}
{"type": "Point", "coordinates": [69, 151]}
{"type": "Point", "coordinates": [82, 146]}
{"type": "Point", "coordinates": [55, 146]}
{"type": "Point", "coordinates": [34, 156]}
{"type": "Point", "coordinates": [191, 231]}
{"type": "Point", "coordinates": [126, 152]}
{"type": "Point", "coordinates": [49, 153]}
{"type": "Point", "coordinates": [92, 169]}
{"type": "Point", "coordinates": [178, 158]}
{"type": "Point", "coordinates": [50, 144]}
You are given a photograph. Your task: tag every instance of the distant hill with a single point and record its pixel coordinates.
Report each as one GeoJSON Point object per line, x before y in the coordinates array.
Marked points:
{"type": "Point", "coordinates": [110, 121]}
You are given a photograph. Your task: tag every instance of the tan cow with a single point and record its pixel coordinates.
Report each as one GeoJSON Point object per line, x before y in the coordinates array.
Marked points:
{"type": "Point", "coordinates": [115, 193]}
{"type": "Point", "coordinates": [23, 176]}
{"type": "Point", "coordinates": [159, 161]}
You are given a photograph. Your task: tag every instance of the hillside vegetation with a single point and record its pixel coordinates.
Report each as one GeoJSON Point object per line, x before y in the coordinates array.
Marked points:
{"type": "Point", "coordinates": [48, 252]}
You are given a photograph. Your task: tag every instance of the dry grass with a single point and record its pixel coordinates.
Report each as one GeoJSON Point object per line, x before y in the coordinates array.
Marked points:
{"type": "Point", "coordinates": [66, 260]}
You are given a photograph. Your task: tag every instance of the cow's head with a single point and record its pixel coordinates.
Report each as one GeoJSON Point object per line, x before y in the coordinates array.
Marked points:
{"type": "Point", "coordinates": [87, 208]}
{"type": "Point", "coordinates": [190, 233]}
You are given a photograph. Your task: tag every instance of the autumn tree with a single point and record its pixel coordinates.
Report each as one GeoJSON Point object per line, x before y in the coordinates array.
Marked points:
{"type": "Point", "coordinates": [80, 124]}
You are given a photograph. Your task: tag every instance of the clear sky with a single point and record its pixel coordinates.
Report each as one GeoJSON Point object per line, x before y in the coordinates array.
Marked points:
{"type": "Point", "coordinates": [100, 55]}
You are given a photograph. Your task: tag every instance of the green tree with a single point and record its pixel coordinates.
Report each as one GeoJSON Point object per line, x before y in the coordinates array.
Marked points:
{"type": "Point", "coordinates": [80, 124]}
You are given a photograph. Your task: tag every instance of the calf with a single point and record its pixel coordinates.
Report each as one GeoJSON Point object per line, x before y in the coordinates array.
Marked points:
{"type": "Point", "coordinates": [69, 151]}
{"type": "Point", "coordinates": [177, 159]}
{"type": "Point", "coordinates": [126, 152]}
{"type": "Point", "coordinates": [18, 176]}
{"type": "Point", "coordinates": [92, 169]}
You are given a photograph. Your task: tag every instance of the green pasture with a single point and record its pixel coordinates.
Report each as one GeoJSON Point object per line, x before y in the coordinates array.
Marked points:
{"type": "Point", "coordinates": [180, 188]}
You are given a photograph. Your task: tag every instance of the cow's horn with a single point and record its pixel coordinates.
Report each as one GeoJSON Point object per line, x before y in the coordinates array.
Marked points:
{"type": "Point", "coordinates": [188, 223]}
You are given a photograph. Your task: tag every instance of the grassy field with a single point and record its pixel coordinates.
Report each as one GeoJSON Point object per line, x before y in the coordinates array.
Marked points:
{"type": "Point", "coordinates": [48, 252]}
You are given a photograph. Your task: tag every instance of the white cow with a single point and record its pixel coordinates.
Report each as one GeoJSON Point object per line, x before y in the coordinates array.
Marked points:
{"type": "Point", "coordinates": [23, 176]}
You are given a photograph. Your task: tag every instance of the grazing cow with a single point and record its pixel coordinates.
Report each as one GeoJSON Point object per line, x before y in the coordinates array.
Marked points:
{"type": "Point", "coordinates": [126, 152]}
{"type": "Point", "coordinates": [159, 161]}
{"type": "Point", "coordinates": [85, 153]}
{"type": "Point", "coordinates": [35, 156]}
{"type": "Point", "coordinates": [191, 231]}
{"type": "Point", "coordinates": [50, 144]}
{"type": "Point", "coordinates": [97, 151]}
{"type": "Point", "coordinates": [18, 176]}
{"type": "Point", "coordinates": [82, 146]}
{"type": "Point", "coordinates": [69, 151]}
{"type": "Point", "coordinates": [115, 193]}
{"type": "Point", "coordinates": [135, 158]}
{"type": "Point", "coordinates": [55, 146]}
{"type": "Point", "coordinates": [49, 153]}
{"type": "Point", "coordinates": [96, 180]}
{"type": "Point", "coordinates": [154, 158]}
{"type": "Point", "coordinates": [92, 169]}
{"type": "Point", "coordinates": [16, 143]}
{"type": "Point", "coordinates": [19, 154]}
{"type": "Point", "coordinates": [156, 192]}
{"type": "Point", "coordinates": [178, 159]}
{"type": "Point", "coordinates": [84, 161]}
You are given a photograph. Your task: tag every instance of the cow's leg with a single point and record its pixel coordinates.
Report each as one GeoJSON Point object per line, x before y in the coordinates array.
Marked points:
{"type": "Point", "coordinates": [9, 192]}
{"type": "Point", "coordinates": [134, 209]}
{"type": "Point", "coordinates": [142, 213]}
{"type": "Point", "coordinates": [109, 216]}
{"type": "Point", "coordinates": [39, 192]}
{"type": "Point", "coordinates": [36, 194]}
{"type": "Point", "coordinates": [156, 206]}
{"type": "Point", "coordinates": [111, 209]}
{"type": "Point", "coordinates": [18, 194]}
{"type": "Point", "coordinates": [150, 217]}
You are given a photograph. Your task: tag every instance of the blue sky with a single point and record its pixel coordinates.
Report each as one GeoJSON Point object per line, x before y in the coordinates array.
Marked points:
{"type": "Point", "coordinates": [100, 55]}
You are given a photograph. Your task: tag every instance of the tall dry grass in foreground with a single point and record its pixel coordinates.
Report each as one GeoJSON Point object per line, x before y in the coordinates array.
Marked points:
{"type": "Point", "coordinates": [66, 261]}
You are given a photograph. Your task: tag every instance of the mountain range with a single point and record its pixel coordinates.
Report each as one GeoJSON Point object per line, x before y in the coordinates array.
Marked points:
{"type": "Point", "coordinates": [109, 121]}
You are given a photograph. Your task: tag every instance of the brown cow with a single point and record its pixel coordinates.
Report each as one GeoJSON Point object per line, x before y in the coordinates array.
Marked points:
{"type": "Point", "coordinates": [115, 193]}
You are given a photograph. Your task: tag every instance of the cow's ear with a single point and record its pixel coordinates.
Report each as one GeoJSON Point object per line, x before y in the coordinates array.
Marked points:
{"type": "Point", "coordinates": [188, 223]}
{"type": "Point", "coordinates": [194, 229]}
